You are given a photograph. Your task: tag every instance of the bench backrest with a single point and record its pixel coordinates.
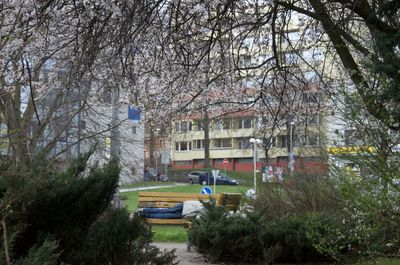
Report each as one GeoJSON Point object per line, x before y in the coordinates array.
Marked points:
{"type": "Point", "coordinates": [231, 201]}
{"type": "Point", "coordinates": [148, 199]}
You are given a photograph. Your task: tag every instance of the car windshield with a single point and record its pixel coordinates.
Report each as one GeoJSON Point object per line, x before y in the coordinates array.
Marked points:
{"type": "Point", "coordinates": [222, 176]}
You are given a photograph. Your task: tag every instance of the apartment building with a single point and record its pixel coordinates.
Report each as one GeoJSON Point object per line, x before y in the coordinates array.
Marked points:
{"type": "Point", "coordinates": [230, 140]}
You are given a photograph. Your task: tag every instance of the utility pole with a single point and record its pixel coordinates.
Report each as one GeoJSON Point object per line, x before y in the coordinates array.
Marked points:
{"type": "Point", "coordinates": [114, 133]}
{"type": "Point", "coordinates": [291, 155]}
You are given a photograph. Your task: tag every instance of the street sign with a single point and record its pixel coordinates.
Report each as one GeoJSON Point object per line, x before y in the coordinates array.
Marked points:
{"type": "Point", "coordinates": [165, 156]}
{"type": "Point", "coordinates": [215, 175]}
{"type": "Point", "coordinates": [226, 162]}
{"type": "Point", "coordinates": [206, 190]}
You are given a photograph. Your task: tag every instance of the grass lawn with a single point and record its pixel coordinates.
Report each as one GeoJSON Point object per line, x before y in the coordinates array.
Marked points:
{"type": "Point", "coordinates": [173, 233]}
{"type": "Point", "coordinates": [163, 233]}
{"type": "Point", "coordinates": [389, 261]}
{"type": "Point", "coordinates": [383, 261]}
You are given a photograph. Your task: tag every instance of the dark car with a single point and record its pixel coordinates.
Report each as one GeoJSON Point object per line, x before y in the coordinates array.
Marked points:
{"type": "Point", "coordinates": [193, 177]}
{"type": "Point", "coordinates": [150, 175]}
{"type": "Point", "coordinates": [221, 180]}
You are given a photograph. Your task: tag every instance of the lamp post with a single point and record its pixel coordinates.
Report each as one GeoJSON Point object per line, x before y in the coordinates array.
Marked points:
{"type": "Point", "coordinates": [156, 152]}
{"type": "Point", "coordinates": [291, 157]}
{"type": "Point", "coordinates": [255, 142]}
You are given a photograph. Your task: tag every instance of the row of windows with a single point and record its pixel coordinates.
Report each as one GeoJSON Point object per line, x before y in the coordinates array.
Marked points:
{"type": "Point", "coordinates": [243, 123]}
{"type": "Point", "coordinates": [281, 141]}
{"type": "Point", "coordinates": [223, 124]}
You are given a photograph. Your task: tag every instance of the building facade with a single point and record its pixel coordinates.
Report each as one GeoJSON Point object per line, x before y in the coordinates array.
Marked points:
{"type": "Point", "coordinates": [229, 140]}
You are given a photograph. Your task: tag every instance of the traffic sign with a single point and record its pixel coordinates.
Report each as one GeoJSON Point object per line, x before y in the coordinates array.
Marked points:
{"type": "Point", "coordinates": [226, 162]}
{"type": "Point", "coordinates": [215, 173]}
{"type": "Point", "coordinates": [206, 190]}
{"type": "Point", "coordinates": [165, 156]}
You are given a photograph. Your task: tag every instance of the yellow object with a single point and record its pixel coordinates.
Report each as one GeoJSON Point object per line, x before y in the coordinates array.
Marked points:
{"type": "Point", "coordinates": [351, 150]}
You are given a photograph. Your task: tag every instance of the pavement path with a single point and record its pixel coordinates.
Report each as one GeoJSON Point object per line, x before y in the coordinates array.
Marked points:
{"type": "Point", "coordinates": [152, 187]}
{"type": "Point", "coordinates": [183, 257]}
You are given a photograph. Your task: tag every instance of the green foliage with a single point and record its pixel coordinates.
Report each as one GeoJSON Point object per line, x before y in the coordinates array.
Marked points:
{"type": "Point", "coordinates": [67, 205]}
{"type": "Point", "coordinates": [223, 238]}
{"type": "Point", "coordinates": [290, 235]}
{"type": "Point", "coordinates": [298, 195]}
{"type": "Point", "coordinates": [45, 254]}
{"type": "Point", "coordinates": [348, 216]}
{"type": "Point", "coordinates": [164, 233]}
{"type": "Point", "coordinates": [60, 216]}
{"type": "Point", "coordinates": [115, 239]}
{"type": "Point", "coordinates": [250, 238]}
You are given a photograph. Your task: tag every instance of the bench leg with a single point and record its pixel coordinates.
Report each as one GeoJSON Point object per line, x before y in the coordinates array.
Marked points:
{"type": "Point", "coordinates": [189, 243]}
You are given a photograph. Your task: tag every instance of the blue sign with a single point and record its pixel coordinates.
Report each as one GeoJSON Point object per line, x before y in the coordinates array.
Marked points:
{"type": "Point", "coordinates": [206, 190]}
{"type": "Point", "coordinates": [133, 113]}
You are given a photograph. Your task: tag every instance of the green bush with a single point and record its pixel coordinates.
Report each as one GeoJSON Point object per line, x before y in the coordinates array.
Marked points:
{"type": "Point", "coordinates": [46, 254]}
{"type": "Point", "coordinates": [289, 236]}
{"type": "Point", "coordinates": [115, 239]}
{"type": "Point", "coordinates": [223, 238]}
{"type": "Point", "coordinates": [250, 238]}
{"type": "Point", "coordinates": [298, 195]}
{"type": "Point", "coordinates": [59, 216]}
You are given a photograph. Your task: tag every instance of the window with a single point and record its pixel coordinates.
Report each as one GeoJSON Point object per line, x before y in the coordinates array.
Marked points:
{"type": "Point", "coordinates": [198, 144]}
{"type": "Point", "coordinates": [187, 162]}
{"type": "Point", "coordinates": [244, 143]}
{"type": "Point", "coordinates": [312, 139]}
{"type": "Point", "coordinates": [224, 124]}
{"type": "Point", "coordinates": [281, 141]}
{"type": "Point", "coordinates": [133, 129]}
{"type": "Point", "coordinates": [245, 123]}
{"type": "Point", "coordinates": [183, 146]}
{"type": "Point", "coordinates": [183, 126]}
{"type": "Point", "coordinates": [223, 143]}
{"type": "Point", "coordinates": [198, 125]}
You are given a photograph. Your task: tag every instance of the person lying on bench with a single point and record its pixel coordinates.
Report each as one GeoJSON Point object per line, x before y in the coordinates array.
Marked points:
{"type": "Point", "coordinates": [187, 208]}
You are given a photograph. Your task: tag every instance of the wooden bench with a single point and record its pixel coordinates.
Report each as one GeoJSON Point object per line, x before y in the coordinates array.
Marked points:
{"type": "Point", "coordinates": [170, 199]}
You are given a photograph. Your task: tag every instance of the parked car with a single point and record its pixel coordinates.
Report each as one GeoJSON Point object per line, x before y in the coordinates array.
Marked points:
{"type": "Point", "coordinates": [221, 179]}
{"type": "Point", "coordinates": [150, 175]}
{"type": "Point", "coordinates": [193, 177]}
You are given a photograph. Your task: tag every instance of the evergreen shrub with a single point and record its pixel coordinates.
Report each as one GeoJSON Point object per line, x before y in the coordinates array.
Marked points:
{"type": "Point", "coordinates": [227, 238]}
{"type": "Point", "coordinates": [56, 217]}
{"type": "Point", "coordinates": [287, 239]}
{"type": "Point", "coordinates": [117, 239]}
{"type": "Point", "coordinates": [251, 238]}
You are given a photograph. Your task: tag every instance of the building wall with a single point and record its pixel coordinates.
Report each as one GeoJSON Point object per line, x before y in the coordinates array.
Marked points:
{"type": "Point", "coordinates": [131, 141]}
{"type": "Point", "coordinates": [241, 159]}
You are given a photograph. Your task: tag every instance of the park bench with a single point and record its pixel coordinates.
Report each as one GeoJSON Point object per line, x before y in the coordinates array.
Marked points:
{"type": "Point", "coordinates": [148, 199]}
